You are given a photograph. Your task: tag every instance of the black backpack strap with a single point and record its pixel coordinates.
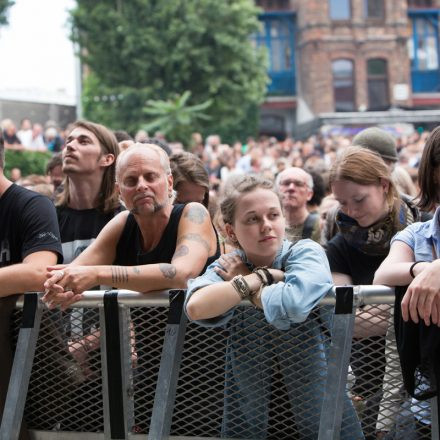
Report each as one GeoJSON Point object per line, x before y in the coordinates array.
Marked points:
{"type": "Point", "coordinates": [309, 224]}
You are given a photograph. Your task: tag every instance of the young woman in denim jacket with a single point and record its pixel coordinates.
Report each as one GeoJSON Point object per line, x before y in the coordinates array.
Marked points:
{"type": "Point", "coordinates": [286, 282]}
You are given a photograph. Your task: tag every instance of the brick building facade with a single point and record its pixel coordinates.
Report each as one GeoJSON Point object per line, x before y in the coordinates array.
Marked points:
{"type": "Point", "coordinates": [352, 62]}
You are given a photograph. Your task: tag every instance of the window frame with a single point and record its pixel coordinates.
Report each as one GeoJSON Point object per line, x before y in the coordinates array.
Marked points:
{"type": "Point", "coordinates": [284, 76]}
{"type": "Point", "coordinates": [416, 38]}
{"type": "Point", "coordinates": [344, 19]}
{"type": "Point", "coordinates": [374, 18]}
{"type": "Point", "coordinates": [378, 77]}
{"type": "Point", "coordinates": [353, 85]}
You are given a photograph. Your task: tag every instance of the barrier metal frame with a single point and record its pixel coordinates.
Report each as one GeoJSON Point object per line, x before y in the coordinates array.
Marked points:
{"type": "Point", "coordinates": [117, 378]}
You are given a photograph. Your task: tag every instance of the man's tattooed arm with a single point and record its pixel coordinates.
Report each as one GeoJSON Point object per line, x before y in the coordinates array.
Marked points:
{"type": "Point", "coordinates": [119, 274]}
{"type": "Point", "coordinates": [180, 251]}
{"type": "Point", "coordinates": [196, 214]}
{"type": "Point", "coordinates": [194, 237]}
{"type": "Point", "coordinates": [168, 270]}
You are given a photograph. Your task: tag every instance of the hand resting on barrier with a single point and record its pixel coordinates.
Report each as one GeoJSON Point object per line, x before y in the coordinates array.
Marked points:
{"type": "Point", "coordinates": [422, 298]}
{"type": "Point", "coordinates": [66, 283]}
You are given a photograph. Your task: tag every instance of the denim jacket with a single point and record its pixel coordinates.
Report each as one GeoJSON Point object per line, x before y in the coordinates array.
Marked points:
{"type": "Point", "coordinates": [282, 340]}
{"type": "Point", "coordinates": [307, 280]}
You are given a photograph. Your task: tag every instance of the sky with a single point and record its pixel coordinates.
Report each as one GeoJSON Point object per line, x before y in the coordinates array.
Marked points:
{"type": "Point", "coordinates": [35, 51]}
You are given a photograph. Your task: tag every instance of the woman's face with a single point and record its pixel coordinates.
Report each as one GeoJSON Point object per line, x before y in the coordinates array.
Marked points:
{"type": "Point", "coordinates": [258, 226]}
{"type": "Point", "coordinates": [364, 203]}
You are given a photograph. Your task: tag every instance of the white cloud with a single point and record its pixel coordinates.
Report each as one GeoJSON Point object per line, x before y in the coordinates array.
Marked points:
{"type": "Point", "coordinates": [35, 51]}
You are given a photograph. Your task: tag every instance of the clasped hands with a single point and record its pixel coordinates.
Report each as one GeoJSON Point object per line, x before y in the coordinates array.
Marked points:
{"type": "Point", "coordinates": [65, 284]}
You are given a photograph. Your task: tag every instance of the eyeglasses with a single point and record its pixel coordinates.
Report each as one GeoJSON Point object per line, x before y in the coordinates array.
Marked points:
{"type": "Point", "coordinates": [297, 183]}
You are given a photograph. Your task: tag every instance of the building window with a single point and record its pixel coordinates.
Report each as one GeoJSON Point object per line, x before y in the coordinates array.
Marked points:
{"type": "Point", "coordinates": [374, 9]}
{"type": "Point", "coordinates": [377, 78]}
{"type": "Point", "coordinates": [278, 36]}
{"type": "Point", "coordinates": [339, 9]}
{"type": "Point", "coordinates": [273, 5]}
{"type": "Point", "coordinates": [420, 4]}
{"type": "Point", "coordinates": [343, 85]}
{"type": "Point", "coordinates": [423, 47]}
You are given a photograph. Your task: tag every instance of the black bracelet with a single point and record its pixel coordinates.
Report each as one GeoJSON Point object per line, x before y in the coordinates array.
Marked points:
{"type": "Point", "coordinates": [260, 277]}
{"type": "Point", "coordinates": [269, 276]}
{"type": "Point", "coordinates": [411, 269]}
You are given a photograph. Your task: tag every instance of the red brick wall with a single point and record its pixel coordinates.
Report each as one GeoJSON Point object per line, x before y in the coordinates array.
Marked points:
{"type": "Point", "coordinates": [320, 41]}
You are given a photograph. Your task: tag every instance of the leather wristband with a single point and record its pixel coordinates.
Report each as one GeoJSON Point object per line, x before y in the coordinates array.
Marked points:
{"type": "Point", "coordinates": [411, 269]}
{"type": "Point", "coordinates": [241, 286]}
{"type": "Point", "coordinates": [264, 275]}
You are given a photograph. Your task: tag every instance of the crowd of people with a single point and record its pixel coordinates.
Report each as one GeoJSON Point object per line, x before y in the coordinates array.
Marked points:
{"type": "Point", "coordinates": [275, 222]}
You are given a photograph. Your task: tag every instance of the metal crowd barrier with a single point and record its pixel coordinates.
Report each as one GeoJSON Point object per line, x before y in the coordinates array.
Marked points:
{"type": "Point", "coordinates": [122, 365]}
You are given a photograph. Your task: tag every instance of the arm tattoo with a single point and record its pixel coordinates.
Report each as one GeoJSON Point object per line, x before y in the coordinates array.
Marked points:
{"type": "Point", "coordinates": [181, 251]}
{"type": "Point", "coordinates": [196, 214]}
{"type": "Point", "coordinates": [136, 270]}
{"type": "Point", "coordinates": [119, 274]}
{"type": "Point", "coordinates": [168, 270]}
{"type": "Point", "coordinates": [194, 237]}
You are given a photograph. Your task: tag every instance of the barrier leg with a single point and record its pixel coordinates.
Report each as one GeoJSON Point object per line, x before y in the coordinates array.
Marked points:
{"type": "Point", "coordinates": [21, 368]}
{"type": "Point", "coordinates": [169, 369]}
{"type": "Point", "coordinates": [116, 368]}
{"type": "Point", "coordinates": [434, 419]}
{"type": "Point", "coordinates": [339, 358]}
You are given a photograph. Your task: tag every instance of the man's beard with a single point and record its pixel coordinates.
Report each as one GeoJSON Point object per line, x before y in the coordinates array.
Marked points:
{"type": "Point", "coordinates": [156, 208]}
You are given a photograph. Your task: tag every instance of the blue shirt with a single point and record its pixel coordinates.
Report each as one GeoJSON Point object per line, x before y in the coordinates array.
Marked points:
{"type": "Point", "coordinates": [420, 236]}
{"type": "Point", "coordinates": [307, 280]}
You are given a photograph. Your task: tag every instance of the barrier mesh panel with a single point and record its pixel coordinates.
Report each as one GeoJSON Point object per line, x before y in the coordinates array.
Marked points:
{"type": "Point", "coordinates": [149, 331]}
{"type": "Point", "coordinates": [251, 380]}
{"type": "Point", "coordinates": [247, 380]}
{"type": "Point", "coordinates": [375, 381]}
{"type": "Point", "coordinates": [65, 390]}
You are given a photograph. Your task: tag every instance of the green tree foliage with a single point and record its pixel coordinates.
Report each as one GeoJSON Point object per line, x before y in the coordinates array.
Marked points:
{"type": "Point", "coordinates": [4, 5]}
{"type": "Point", "coordinates": [174, 117]}
{"type": "Point", "coordinates": [141, 50]}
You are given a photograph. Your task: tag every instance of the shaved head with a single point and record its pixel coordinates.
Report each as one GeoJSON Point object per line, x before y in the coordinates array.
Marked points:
{"type": "Point", "coordinates": [141, 148]}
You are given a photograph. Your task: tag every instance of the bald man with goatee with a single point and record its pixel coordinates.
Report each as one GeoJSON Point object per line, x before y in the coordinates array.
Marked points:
{"type": "Point", "coordinates": [154, 245]}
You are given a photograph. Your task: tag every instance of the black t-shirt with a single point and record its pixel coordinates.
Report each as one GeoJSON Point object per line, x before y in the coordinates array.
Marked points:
{"type": "Point", "coordinates": [11, 139]}
{"type": "Point", "coordinates": [28, 224]}
{"type": "Point", "coordinates": [346, 259]}
{"type": "Point", "coordinates": [129, 249]}
{"type": "Point", "coordinates": [78, 228]}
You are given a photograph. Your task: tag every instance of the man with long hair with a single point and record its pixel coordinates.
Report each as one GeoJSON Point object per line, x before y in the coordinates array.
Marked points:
{"type": "Point", "coordinates": [88, 199]}
{"type": "Point", "coordinates": [87, 202]}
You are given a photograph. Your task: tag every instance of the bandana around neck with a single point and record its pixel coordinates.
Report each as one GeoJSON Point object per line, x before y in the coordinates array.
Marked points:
{"type": "Point", "coordinates": [375, 239]}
